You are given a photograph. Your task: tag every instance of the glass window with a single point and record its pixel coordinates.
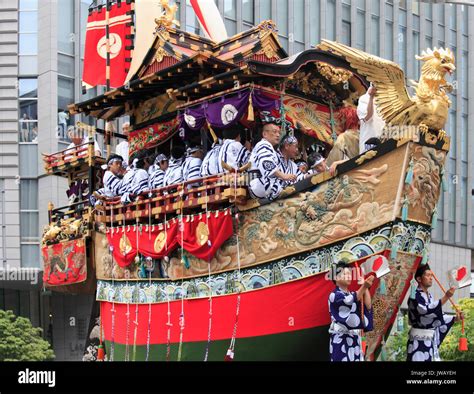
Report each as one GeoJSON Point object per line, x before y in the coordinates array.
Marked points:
{"type": "Point", "coordinates": [416, 51]}
{"type": "Point", "coordinates": [28, 131]}
{"type": "Point", "coordinates": [360, 4]}
{"type": "Point", "coordinates": [266, 9]}
{"type": "Point", "coordinates": [346, 12]}
{"type": "Point", "coordinates": [403, 4]}
{"type": "Point", "coordinates": [28, 162]}
{"type": "Point", "coordinates": [439, 9]}
{"type": "Point", "coordinates": [464, 138]}
{"type": "Point", "coordinates": [192, 24]}
{"type": "Point", "coordinates": [415, 7]}
{"type": "Point", "coordinates": [464, 74]}
{"type": "Point", "coordinates": [331, 16]}
{"type": "Point", "coordinates": [28, 65]}
{"type": "Point", "coordinates": [389, 12]}
{"type": "Point", "coordinates": [314, 21]}
{"type": "Point", "coordinates": [464, 23]}
{"type": "Point", "coordinates": [346, 33]}
{"type": "Point", "coordinates": [375, 42]}
{"type": "Point", "coordinates": [402, 47]}
{"type": "Point", "coordinates": [66, 27]}
{"type": "Point", "coordinates": [299, 20]}
{"type": "Point", "coordinates": [464, 199]}
{"type": "Point", "coordinates": [28, 44]}
{"type": "Point", "coordinates": [360, 30]}
{"type": "Point", "coordinates": [428, 10]}
{"type": "Point", "coordinates": [29, 194]}
{"type": "Point", "coordinates": [28, 22]}
{"type": "Point", "coordinates": [282, 17]}
{"type": "Point", "coordinates": [65, 92]}
{"type": "Point", "coordinates": [28, 109]}
{"type": "Point", "coordinates": [429, 42]}
{"type": "Point", "coordinates": [29, 227]}
{"type": "Point", "coordinates": [452, 17]}
{"type": "Point", "coordinates": [452, 132]}
{"type": "Point", "coordinates": [30, 256]}
{"type": "Point", "coordinates": [27, 87]}
{"type": "Point", "coordinates": [231, 27]}
{"type": "Point", "coordinates": [28, 5]}
{"type": "Point", "coordinates": [248, 11]}
{"type": "Point", "coordinates": [375, 5]}
{"type": "Point", "coordinates": [230, 9]}
{"type": "Point", "coordinates": [388, 40]}
{"type": "Point", "coordinates": [66, 65]}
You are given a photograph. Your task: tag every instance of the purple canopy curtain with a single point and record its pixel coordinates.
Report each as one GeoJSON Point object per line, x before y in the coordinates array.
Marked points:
{"type": "Point", "coordinates": [226, 111]}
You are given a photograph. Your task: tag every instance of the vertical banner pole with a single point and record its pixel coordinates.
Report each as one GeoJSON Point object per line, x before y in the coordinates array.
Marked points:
{"type": "Point", "coordinates": [107, 35]}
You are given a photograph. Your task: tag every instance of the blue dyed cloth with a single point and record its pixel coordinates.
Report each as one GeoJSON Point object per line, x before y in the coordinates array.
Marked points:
{"type": "Point", "coordinates": [427, 314]}
{"type": "Point", "coordinates": [346, 323]}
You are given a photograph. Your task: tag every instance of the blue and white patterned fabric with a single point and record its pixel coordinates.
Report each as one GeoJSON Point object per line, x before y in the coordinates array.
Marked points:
{"type": "Point", "coordinates": [289, 167]}
{"type": "Point", "coordinates": [192, 168]}
{"type": "Point", "coordinates": [429, 327]}
{"type": "Point", "coordinates": [232, 153]}
{"type": "Point", "coordinates": [346, 323]}
{"type": "Point", "coordinates": [209, 164]}
{"type": "Point", "coordinates": [112, 185]}
{"type": "Point", "coordinates": [265, 159]}
{"type": "Point", "coordinates": [156, 178]}
{"type": "Point", "coordinates": [174, 173]}
{"type": "Point", "coordinates": [139, 182]}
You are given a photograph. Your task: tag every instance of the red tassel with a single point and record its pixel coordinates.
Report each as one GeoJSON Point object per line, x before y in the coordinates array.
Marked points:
{"type": "Point", "coordinates": [364, 345]}
{"type": "Point", "coordinates": [463, 344]}
{"type": "Point", "coordinates": [100, 353]}
{"type": "Point", "coordinates": [230, 355]}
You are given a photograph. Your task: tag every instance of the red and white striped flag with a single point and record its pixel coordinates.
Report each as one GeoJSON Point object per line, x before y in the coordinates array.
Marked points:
{"type": "Point", "coordinates": [210, 19]}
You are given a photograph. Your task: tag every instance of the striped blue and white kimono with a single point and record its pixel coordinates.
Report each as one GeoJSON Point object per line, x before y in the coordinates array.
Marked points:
{"type": "Point", "coordinates": [345, 310]}
{"type": "Point", "coordinates": [137, 182]}
{"type": "Point", "coordinates": [157, 178]}
{"type": "Point", "coordinates": [174, 173]}
{"type": "Point", "coordinates": [209, 164]}
{"type": "Point", "coordinates": [112, 185]}
{"type": "Point", "coordinates": [429, 326]}
{"type": "Point", "coordinates": [192, 168]}
{"type": "Point", "coordinates": [290, 167]}
{"type": "Point", "coordinates": [264, 158]}
{"type": "Point", "coordinates": [232, 153]}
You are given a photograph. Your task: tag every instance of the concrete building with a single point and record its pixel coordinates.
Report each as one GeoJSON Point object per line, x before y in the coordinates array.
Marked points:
{"type": "Point", "coordinates": [41, 54]}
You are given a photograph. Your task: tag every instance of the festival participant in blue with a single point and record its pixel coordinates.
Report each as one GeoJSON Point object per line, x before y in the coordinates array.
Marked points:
{"type": "Point", "coordinates": [209, 164]}
{"type": "Point", "coordinates": [139, 181]}
{"type": "Point", "coordinates": [192, 164]}
{"type": "Point", "coordinates": [113, 177]}
{"type": "Point", "coordinates": [174, 173]}
{"type": "Point", "coordinates": [158, 175]}
{"type": "Point", "coordinates": [345, 310]}
{"type": "Point", "coordinates": [233, 153]}
{"type": "Point", "coordinates": [265, 159]}
{"type": "Point", "coordinates": [288, 152]}
{"type": "Point", "coordinates": [429, 325]}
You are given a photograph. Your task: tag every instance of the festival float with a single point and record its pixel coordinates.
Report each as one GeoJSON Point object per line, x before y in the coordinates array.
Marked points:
{"type": "Point", "coordinates": [207, 273]}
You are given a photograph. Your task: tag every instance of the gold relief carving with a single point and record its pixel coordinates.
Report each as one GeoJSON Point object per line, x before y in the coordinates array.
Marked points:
{"type": "Point", "coordinates": [202, 233]}
{"type": "Point", "coordinates": [125, 245]}
{"type": "Point", "coordinates": [334, 75]}
{"type": "Point", "coordinates": [168, 15]}
{"type": "Point", "coordinates": [160, 54]}
{"type": "Point", "coordinates": [367, 156]}
{"type": "Point", "coordinates": [159, 242]}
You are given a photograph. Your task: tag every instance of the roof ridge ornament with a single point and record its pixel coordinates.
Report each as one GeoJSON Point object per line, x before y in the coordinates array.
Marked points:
{"type": "Point", "coordinates": [167, 17]}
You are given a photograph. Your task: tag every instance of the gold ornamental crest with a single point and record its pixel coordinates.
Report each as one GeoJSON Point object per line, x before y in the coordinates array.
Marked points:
{"type": "Point", "coordinates": [125, 245]}
{"type": "Point", "coordinates": [202, 233]}
{"type": "Point", "coordinates": [159, 242]}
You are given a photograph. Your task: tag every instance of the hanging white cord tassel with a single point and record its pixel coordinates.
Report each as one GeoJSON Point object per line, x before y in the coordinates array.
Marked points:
{"type": "Point", "coordinates": [206, 356]}
{"type": "Point", "coordinates": [181, 315]}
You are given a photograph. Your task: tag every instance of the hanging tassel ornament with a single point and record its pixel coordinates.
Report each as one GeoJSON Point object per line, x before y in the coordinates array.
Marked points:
{"type": "Point", "coordinates": [100, 353]}
{"type": "Point", "coordinates": [364, 344]}
{"type": "Point", "coordinates": [382, 287]}
{"type": "Point", "coordinates": [463, 347]}
{"type": "Point", "coordinates": [434, 219]}
{"type": "Point", "coordinates": [251, 114]}
{"type": "Point", "coordinates": [393, 250]}
{"type": "Point", "coordinates": [409, 177]}
{"type": "Point", "coordinates": [405, 210]}
{"type": "Point", "coordinates": [444, 185]}
{"type": "Point", "coordinates": [230, 355]}
{"type": "Point", "coordinates": [424, 261]}
{"type": "Point", "coordinates": [413, 287]}
{"type": "Point", "coordinates": [186, 261]}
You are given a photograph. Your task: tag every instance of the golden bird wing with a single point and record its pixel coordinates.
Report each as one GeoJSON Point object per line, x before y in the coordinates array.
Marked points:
{"type": "Point", "coordinates": [392, 96]}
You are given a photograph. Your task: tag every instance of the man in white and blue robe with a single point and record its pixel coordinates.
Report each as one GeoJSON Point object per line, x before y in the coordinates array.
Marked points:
{"type": "Point", "coordinates": [345, 309]}
{"type": "Point", "coordinates": [157, 176]}
{"type": "Point", "coordinates": [288, 152]}
{"type": "Point", "coordinates": [429, 325]}
{"type": "Point", "coordinates": [112, 179]}
{"type": "Point", "coordinates": [266, 161]}
{"type": "Point", "coordinates": [209, 164]}
{"type": "Point", "coordinates": [174, 173]}
{"type": "Point", "coordinates": [137, 179]}
{"type": "Point", "coordinates": [192, 164]}
{"type": "Point", "coordinates": [233, 153]}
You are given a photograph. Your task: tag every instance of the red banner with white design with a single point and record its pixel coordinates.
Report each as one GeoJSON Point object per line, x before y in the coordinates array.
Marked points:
{"type": "Point", "coordinates": [200, 235]}
{"type": "Point", "coordinates": [96, 45]}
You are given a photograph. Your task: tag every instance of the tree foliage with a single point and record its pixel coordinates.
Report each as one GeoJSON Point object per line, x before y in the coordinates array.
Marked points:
{"type": "Point", "coordinates": [20, 341]}
{"type": "Point", "coordinates": [397, 341]}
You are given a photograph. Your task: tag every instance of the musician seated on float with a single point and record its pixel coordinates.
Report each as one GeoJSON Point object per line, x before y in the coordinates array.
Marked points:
{"type": "Point", "coordinates": [346, 146]}
{"type": "Point", "coordinates": [317, 164]}
{"type": "Point", "coordinates": [287, 153]}
{"type": "Point", "coordinates": [209, 164]}
{"type": "Point", "coordinates": [265, 159]}
{"type": "Point", "coordinates": [77, 139]}
{"type": "Point", "coordinates": [157, 175]}
{"type": "Point", "coordinates": [112, 179]}
{"type": "Point", "coordinates": [302, 166]}
{"type": "Point", "coordinates": [136, 180]}
{"type": "Point", "coordinates": [233, 153]}
{"type": "Point", "coordinates": [192, 164]}
{"type": "Point", "coordinates": [174, 173]}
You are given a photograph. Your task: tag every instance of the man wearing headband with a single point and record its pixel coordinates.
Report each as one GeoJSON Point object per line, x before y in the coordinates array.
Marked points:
{"type": "Point", "coordinates": [157, 176]}
{"type": "Point", "coordinates": [264, 158]}
{"type": "Point", "coordinates": [112, 180]}
{"type": "Point", "coordinates": [192, 164]}
{"type": "Point", "coordinates": [288, 152]}
{"type": "Point", "coordinates": [317, 164]}
{"type": "Point", "coordinates": [174, 173]}
{"type": "Point", "coordinates": [138, 181]}
{"type": "Point", "coordinates": [302, 165]}
{"type": "Point", "coordinates": [429, 325]}
{"type": "Point", "coordinates": [232, 152]}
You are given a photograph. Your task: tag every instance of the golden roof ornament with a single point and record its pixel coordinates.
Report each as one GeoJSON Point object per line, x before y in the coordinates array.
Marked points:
{"type": "Point", "coordinates": [168, 16]}
{"type": "Point", "coordinates": [428, 109]}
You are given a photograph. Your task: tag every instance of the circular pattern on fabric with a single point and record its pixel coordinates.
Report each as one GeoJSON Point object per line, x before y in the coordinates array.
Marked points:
{"type": "Point", "coordinates": [190, 120]}
{"type": "Point", "coordinates": [228, 114]}
{"type": "Point", "coordinates": [159, 242]}
{"type": "Point", "coordinates": [202, 233]}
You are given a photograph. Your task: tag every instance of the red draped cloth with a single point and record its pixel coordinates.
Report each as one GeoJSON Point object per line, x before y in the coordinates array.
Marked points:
{"type": "Point", "coordinates": [200, 235]}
